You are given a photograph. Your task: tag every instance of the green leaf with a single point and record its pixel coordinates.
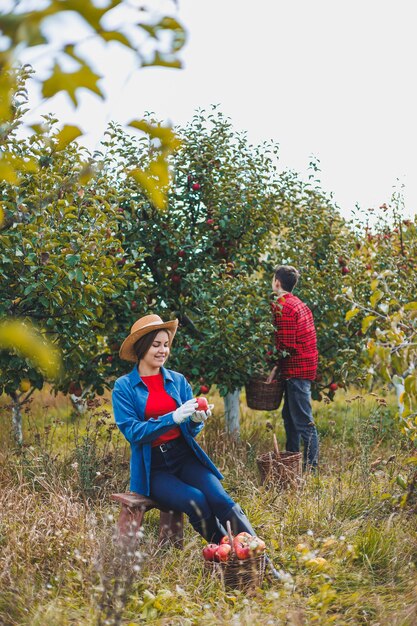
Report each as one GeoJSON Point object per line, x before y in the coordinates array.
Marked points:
{"type": "Point", "coordinates": [70, 82]}
{"type": "Point", "coordinates": [66, 135]}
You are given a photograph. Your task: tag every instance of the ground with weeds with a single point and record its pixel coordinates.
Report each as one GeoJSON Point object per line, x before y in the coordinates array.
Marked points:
{"type": "Point", "coordinates": [345, 548]}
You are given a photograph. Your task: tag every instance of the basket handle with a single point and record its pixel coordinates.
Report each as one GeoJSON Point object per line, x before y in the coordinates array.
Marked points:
{"type": "Point", "coordinates": [271, 375]}
{"type": "Point", "coordinates": [276, 448]}
{"type": "Point", "coordinates": [229, 534]}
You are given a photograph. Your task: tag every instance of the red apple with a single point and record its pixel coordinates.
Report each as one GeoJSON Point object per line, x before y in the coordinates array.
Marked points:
{"type": "Point", "coordinates": [209, 551]}
{"type": "Point", "coordinates": [75, 389]}
{"type": "Point", "coordinates": [176, 278]}
{"type": "Point", "coordinates": [243, 536]}
{"type": "Point", "coordinates": [202, 404]}
{"type": "Point", "coordinates": [242, 550]}
{"type": "Point", "coordinates": [345, 270]}
{"type": "Point", "coordinates": [195, 186]}
{"type": "Point", "coordinates": [109, 359]}
{"type": "Point", "coordinates": [210, 221]}
{"type": "Point", "coordinates": [133, 305]}
{"type": "Point", "coordinates": [204, 389]}
{"type": "Point", "coordinates": [224, 539]}
{"type": "Point", "coordinates": [223, 552]}
{"type": "Point", "coordinates": [333, 386]}
{"type": "Point", "coordinates": [182, 253]}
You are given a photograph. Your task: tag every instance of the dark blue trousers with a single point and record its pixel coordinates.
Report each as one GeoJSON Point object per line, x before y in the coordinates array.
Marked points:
{"type": "Point", "coordinates": [182, 483]}
{"type": "Point", "coordinates": [298, 420]}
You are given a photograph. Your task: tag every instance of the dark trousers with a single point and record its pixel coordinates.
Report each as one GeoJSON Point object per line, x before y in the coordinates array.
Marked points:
{"type": "Point", "coordinates": [298, 420]}
{"type": "Point", "coordinates": [182, 483]}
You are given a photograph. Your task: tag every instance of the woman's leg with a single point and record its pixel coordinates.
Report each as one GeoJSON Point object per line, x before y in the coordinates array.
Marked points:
{"type": "Point", "coordinates": [177, 495]}
{"type": "Point", "coordinates": [221, 503]}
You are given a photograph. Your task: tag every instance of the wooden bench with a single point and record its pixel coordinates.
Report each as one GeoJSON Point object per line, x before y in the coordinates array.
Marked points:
{"type": "Point", "coordinates": [134, 507]}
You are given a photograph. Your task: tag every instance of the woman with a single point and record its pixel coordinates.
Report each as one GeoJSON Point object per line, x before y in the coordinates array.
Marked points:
{"type": "Point", "coordinates": [156, 412]}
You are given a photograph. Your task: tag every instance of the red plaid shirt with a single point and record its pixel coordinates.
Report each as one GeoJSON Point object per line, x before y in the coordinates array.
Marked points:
{"type": "Point", "coordinates": [295, 334]}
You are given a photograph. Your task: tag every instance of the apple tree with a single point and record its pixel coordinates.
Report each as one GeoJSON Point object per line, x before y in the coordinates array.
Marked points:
{"type": "Point", "coordinates": [201, 260]}
{"type": "Point", "coordinates": [62, 263]}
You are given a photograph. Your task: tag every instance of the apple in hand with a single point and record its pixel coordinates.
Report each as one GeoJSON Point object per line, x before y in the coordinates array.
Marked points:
{"type": "Point", "coordinates": [209, 551]}
{"type": "Point", "coordinates": [202, 404]}
{"type": "Point", "coordinates": [223, 552]}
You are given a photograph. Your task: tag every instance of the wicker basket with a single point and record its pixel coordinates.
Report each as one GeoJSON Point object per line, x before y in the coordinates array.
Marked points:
{"type": "Point", "coordinates": [244, 575]}
{"type": "Point", "coordinates": [283, 469]}
{"type": "Point", "coordinates": [264, 394]}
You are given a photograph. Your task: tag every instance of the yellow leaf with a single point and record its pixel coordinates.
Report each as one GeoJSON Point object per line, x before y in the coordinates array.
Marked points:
{"type": "Point", "coordinates": [410, 306]}
{"type": "Point", "coordinates": [374, 284]}
{"type": "Point", "coordinates": [165, 134]}
{"type": "Point", "coordinates": [23, 339]}
{"type": "Point", "coordinates": [154, 181]}
{"type": "Point", "coordinates": [351, 314]}
{"type": "Point", "coordinates": [70, 82]}
{"type": "Point", "coordinates": [376, 296]}
{"type": "Point", "coordinates": [367, 321]}
{"type": "Point", "coordinates": [67, 134]}
{"type": "Point", "coordinates": [8, 173]}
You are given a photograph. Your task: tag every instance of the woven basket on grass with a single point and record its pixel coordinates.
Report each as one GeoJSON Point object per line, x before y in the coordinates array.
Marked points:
{"type": "Point", "coordinates": [264, 394]}
{"type": "Point", "coordinates": [284, 469]}
{"type": "Point", "coordinates": [244, 575]}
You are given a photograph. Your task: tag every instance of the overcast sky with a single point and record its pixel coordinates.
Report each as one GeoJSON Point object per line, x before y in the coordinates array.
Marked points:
{"type": "Point", "coordinates": [329, 78]}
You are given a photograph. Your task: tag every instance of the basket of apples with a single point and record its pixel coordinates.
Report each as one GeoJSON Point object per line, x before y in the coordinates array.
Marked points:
{"type": "Point", "coordinates": [239, 560]}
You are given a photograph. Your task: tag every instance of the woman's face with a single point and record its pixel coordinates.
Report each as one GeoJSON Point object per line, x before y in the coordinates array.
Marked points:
{"type": "Point", "coordinates": [158, 352]}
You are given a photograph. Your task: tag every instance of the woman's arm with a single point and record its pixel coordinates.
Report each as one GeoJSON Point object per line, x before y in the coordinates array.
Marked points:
{"type": "Point", "coordinates": [193, 428]}
{"type": "Point", "coordinates": [134, 429]}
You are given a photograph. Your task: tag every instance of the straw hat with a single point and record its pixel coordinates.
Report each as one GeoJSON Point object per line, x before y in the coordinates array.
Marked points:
{"type": "Point", "coordinates": [142, 327]}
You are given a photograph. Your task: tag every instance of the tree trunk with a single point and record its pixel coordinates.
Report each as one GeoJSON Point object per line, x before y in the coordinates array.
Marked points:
{"type": "Point", "coordinates": [79, 403]}
{"type": "Point", "coordinates": [231, 411]}
{"type": "Point", "coordinates": [398, 382]}
{"type": "Point", "coordinates": [17, 419]}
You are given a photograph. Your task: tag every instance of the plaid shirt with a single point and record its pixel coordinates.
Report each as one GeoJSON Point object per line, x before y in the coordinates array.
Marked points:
{"type": "Point", "coordinates": [295, 334]}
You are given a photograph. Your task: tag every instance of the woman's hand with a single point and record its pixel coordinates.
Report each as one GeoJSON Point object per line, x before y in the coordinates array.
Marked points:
{"type": "Point", "coordinates": [201, 416]}
{"type": "Point", "coordinates": [184, 411]}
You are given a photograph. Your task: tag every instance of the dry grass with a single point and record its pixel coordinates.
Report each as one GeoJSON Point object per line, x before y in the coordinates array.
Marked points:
{"type": "Point", "coordinates": [346, 553]}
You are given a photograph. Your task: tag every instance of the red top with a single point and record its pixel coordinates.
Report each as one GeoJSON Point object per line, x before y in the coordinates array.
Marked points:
{"type": "Point", "coordinates": [159, 403]}
{"type": "Point", "coordinates": [295, 334]}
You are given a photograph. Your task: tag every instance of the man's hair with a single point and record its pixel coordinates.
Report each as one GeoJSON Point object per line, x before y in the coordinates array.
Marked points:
{"type": "Point", "coordinates": [143, 344]}
{"type": "Point", "coordinates": [287, 275]}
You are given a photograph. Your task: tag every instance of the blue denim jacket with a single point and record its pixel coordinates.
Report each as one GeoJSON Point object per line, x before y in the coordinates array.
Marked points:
{"type": "Point", "coordinates": [129, 399]}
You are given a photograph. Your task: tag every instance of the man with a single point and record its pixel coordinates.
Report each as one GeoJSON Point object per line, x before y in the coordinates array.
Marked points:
{"type": "Point", "coordinates": [295, 337]}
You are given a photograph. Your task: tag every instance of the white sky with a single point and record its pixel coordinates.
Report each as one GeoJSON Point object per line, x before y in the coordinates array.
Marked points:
{"type": "Point", "coordinates": [329, 78]}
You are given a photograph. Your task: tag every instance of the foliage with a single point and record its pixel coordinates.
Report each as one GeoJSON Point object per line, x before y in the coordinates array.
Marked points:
{"type": "Point", "coordinates": [60, 257]}
{"type": "Point", "coordinates": [383, 303]}
{"type": "Point", "coordinates": [201, 257]}
{"type": "Point", "coordinates": [22, 29]}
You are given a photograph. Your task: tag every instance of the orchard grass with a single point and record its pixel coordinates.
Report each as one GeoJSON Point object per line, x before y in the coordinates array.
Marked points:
{"type": "Point", "coordinates": [347, 553]}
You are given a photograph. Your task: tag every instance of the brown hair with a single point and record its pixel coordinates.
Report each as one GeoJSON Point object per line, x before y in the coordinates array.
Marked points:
{"type": "Point", "coordinates": [143, 344]}
{"type": "Point", "coordinates": [287, 275]}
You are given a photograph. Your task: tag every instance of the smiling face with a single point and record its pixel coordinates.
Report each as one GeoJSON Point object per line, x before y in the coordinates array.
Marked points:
{"type": "Point", "coordinates": [156, 356]}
